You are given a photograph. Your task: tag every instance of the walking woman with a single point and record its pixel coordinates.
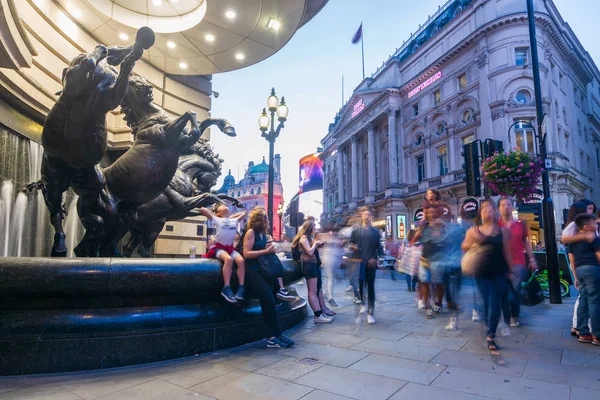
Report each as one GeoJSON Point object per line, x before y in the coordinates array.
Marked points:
{"type": "Point", "coordinates": [255, 246]}
{"type": "Point", "coordinates": [492, 264]}
{"type": "Point", "coordinates": [308, 246]}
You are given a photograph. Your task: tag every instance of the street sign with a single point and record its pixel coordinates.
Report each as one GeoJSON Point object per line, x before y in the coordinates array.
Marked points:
{"type": "Point", "coordinates": [548, 163]}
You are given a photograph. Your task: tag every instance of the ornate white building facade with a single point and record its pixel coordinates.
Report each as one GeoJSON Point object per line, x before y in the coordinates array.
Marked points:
{"type": "Point", "coordinates": [465, 75]}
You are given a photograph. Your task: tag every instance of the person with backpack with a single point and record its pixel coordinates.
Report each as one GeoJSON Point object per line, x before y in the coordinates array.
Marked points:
{"type": "Point", "coordinates": [305, 253]}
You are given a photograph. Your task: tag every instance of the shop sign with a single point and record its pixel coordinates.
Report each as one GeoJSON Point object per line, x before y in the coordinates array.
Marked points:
{"type": "Point", "coordinates": [535, 197]}
{"type": "Point", "coordinates": [469, 208]}
{"type": "Point", "coordinates": [388, 226]}
{"type": "Point", "coordinates": [419, 215]}
{"type": "Point", "coordinates": [358, 107]}
{"type": "Point", "coordinates": [401, 226]}
{"type": "Point", "coordinates": [380, 223]}
{"type": "Point", "coordinates": [423, 85]}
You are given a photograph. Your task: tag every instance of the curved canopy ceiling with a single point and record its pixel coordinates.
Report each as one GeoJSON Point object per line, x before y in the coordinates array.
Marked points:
{"type": "Point", "coordinates": [197, 37]}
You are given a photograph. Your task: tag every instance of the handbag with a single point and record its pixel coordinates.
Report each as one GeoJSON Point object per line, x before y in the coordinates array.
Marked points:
{"type": "Point", "coordinates": [470, 260]}
{"type": "Point", "coordinates": [270, 266]}
{"type": "Point", "coordinates": [531, 293]}
{"type": "Point", "coordinates": [372, 263]}
{"type": "Point", "coordinates": [409, 264]}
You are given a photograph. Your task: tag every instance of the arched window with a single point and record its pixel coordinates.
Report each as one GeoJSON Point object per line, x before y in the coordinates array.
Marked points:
{"type": "Point", "coordinates": [523, 96]}
{"type": "Point", "coordinates": [440, 129]}
{"type": "Point", "coordinates": [419, 139]}
{"type": "Point", "coordinates": [525, 137]}
{"type": "Point", "coordinates": [457, 11]}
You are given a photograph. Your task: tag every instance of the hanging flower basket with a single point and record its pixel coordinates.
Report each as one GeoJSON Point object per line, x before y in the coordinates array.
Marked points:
{"type": "Point", "coordinates": [513, 174]}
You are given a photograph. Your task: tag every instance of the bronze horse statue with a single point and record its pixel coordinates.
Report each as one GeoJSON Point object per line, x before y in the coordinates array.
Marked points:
{"type": "Point", "coordinates": [74, 136]}
{"type": "Point", "coordinates": [139, 175]}
{"type": "Point", "coordinates": [197, 172]}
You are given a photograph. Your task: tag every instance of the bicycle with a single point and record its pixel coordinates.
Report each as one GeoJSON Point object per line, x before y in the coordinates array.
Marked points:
{"type": "Point", "coordinates": [542, 279]}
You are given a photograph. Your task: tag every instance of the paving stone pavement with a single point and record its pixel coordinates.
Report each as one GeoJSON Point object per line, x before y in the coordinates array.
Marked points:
{"type": "Point", "coordinates": [402, 356]}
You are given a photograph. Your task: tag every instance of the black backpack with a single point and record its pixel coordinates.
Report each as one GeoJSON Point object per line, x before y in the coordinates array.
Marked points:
{"type": "Point", "coordinates": [296, 253]}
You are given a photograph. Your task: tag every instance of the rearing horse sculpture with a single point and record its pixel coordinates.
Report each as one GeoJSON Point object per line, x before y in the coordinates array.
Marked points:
{"type": "Point", "coordinates": [139, 175]}
{"type": "Point", "coordinates": [74, 134]}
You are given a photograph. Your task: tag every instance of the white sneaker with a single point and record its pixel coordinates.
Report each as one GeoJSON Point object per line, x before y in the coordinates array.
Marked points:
{"type": "Point", "coordinates": [421, 304]}
{"type": "Point", "coordinates": [514, 322]}
{"type": "Point", "coordinates": [363, 309]}
{"type": "Point", "coordinates": [370, 319]}
{"type": "Point", "coordinates": [436, 309]}
{"type": "Point", "coordinates": [429, 314]}
{"type": "Point", "coordinates": [505, 331]}
{"type": "Point", "coordinates": [323, 319]}
{"type": "Point", "coordinates": [475, 317]}
{"type": "Point", "coordinates": [453, 324]}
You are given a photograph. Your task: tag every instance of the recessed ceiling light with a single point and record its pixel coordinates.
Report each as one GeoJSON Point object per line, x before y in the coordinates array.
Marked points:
{"type": "Point", "coordinates": [157, 2]}
{"type": "Point", "coordinates": [240, 56]}
{"type": "Point", "coordinates": [171, 44]}
{"type": "Point", "coordinates": [230, 14]}
{"type": "Point", "coordinates": [209, 38]}
{"type": "Point", "coordinates": [123, 36]}
{"type": "Point", "coordinates": [274, 24]}
{"type": "Point", "coordinates": [182, 65]}
{"type": "Point", "coordinates": [76, 13]}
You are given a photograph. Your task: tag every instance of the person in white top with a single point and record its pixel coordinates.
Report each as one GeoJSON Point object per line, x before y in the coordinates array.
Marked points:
{"type": "Point", "coordinates": [225, 232]}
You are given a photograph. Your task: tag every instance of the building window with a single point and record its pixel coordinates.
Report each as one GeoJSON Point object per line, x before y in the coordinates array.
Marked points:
{"type": "Point", "coordinates": [581, 161]}
{"type": "Point", "coordinates": [238, 194]}
{"type": "Point", "coordinates": [467, 139]}
{"type": "Point", "coordinates": [583, 101]}
{"type": "Point", "coordinates": [258, 190]}
{"type": "Point", "coordinates": [598, 158]}
{"type": "Point", "coordinates": [421, 167]}
{"type": "Point", "coordinates": [437, 97]}
{"type": "Point", "coordinates": [462, 81]}
{"type": "Point", "coordinates": [576, 96]}
{"type": "Point", "coordinates": [443, 159]}
{"type": "Point", "coordinates": [523, 96]}
{"type": "Point", "coordinates": [567, 143]}
{"type": "Point", "coordinates": [553, 71]}
{"type": "Point", "coordinates": [579, 127]}
{"type": "Point", "coordinates": [560, 81]}
{"type": "Point", "coordinates": [525, 138]}
{"type": "Point", "coordinates": [521, 57]}
{"type": "Point", "coordinates": [415, 109]}
{"type": "Point", "coordinates": [419, 140]}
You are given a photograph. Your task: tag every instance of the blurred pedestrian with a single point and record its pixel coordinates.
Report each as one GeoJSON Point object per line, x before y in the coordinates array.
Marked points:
{"type": "Point", "coordinates": [332, 260]}
{"type": "Point", "coordinates": [452, 255]}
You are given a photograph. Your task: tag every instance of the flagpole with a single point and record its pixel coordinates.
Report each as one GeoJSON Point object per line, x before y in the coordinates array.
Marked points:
{"type": "Point", "coordinates": [362, 45]}
{"type": "Point", "coordinates": [342, 90]}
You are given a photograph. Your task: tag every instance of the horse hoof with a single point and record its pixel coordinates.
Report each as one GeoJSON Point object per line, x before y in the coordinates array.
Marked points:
{"type": "Point", "coordinates": [59, 247]}
{"type": "Point", "coordinates": [58, 253]}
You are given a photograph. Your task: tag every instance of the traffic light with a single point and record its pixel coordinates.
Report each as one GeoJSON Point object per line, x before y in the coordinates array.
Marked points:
{"type": "Point", "coordinates": [471, 167]}
{"type": "Point", "coordinates": [491, 146]}
{"type": "Point", "coordinates": [537, 215]}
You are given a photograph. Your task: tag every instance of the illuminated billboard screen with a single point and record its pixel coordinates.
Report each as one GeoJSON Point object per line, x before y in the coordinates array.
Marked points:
{"type": "Point", "coordinates": [311, 173]}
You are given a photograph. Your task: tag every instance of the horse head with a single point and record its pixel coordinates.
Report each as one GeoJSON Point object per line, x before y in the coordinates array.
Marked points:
{"type": "Point", "coordinates": [85, 73]}
{"type": "Point", "coordinates": [207, 167]}
{"type": "Point", "coordinates": [137, 103]}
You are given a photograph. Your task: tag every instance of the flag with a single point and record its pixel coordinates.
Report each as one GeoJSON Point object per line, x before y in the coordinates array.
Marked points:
{"type": "Point", "coordinates": [358, 35]}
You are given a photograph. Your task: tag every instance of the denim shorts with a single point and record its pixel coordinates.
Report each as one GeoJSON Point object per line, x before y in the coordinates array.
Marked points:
{"type": "Point", "coordinates": [432, 274]}
{"type": "Point", "coordinates": [310, 269]}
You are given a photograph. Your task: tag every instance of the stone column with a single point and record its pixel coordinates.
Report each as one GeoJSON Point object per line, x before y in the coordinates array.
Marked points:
{"type": "Point", "coordinates": [371, 157]}
{"type": "Point", "coordinates": [354, 168]}
{"type": "Point", "coordinates": [340, 175]}
{"type": "Point", "coordinates": [392, 144]}
{"type": "Point", "coordinates": [484, 91]}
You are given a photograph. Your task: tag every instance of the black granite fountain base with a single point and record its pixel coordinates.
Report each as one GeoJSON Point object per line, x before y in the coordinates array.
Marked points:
{"type": "Point", "coordinates": [59, 315]}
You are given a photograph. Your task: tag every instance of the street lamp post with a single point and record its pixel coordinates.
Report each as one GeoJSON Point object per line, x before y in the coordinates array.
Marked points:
{"type": "Point", "coordinates": [280, 214]}
{"type": "Point", "coordinates": [274, 106]}
{"type": "Point", "coordinates": [547, 204]}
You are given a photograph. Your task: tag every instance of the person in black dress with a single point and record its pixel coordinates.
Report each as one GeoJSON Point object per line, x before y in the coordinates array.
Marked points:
{"type": "Point", "coordinates": [491, 271]}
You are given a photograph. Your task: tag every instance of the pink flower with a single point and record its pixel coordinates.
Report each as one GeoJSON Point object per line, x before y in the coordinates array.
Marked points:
{"type": "Point", "coordinates": [508, 169]}
{"type": "Point", "coordinates": [521, 165]}
{"type": "Point", "coordinates": [519, 170]}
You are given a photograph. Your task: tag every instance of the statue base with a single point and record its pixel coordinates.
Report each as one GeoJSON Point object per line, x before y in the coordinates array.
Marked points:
{"type": "Point", "coordinates": [61, 315]}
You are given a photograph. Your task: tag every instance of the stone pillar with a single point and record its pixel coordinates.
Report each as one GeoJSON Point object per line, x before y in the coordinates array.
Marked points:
{"type": "Point", "coordinates": [392, 144]}
{"type": "Point", "coordinates": [354, 168]}
{"type": "Point", "coordinates": [484, 91]}
{"type": "Point", "coordinates": [371, 157]}
{"type": "Point", "coordinates": [340, 175]}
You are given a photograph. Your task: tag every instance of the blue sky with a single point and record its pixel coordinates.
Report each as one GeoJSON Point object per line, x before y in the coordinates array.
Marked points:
{"type": "Point", "coordinates": [309, 69]}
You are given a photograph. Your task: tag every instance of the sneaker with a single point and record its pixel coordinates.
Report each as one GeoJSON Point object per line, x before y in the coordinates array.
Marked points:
{"type": "Point", "coordinates": [475, 317]}
{"type": "Point", "coordinates": [239, 295]}
{"type": "Point", "coordinates": [276, 343]}
{"type": "Point", "coordinates": [289, 342]}
{"type": "Point", "coordinates": [363, 309]}
{"type": "Point", "coordinates": [323, 319]}
{"type": "Point", "coordinates": [452, 324]}
{"type": "Point", "coordinates": [333, 303]}
{"type": "Point", "coordinates": [349, 289]}
{"type": "Point", "coordinates": [596, 341]}
{"type": "Point", "coordinates": [505, 331]}
{"type": "Point", "coordinates": [436, 308]}
{"type": "Point", "coordinates": [409, 290]}
{"type": "Point", "coordinates": [370, 319]}
{"type": "Point", "coordinates": [585, 338]}
{"type": "Point", "coordinates": [285, 295]}
{"type": "Point", "coordinates": [429, 314]}
{"type": "Point", "coordinates": [357, 300]}
{"type": "Point", "coordinates": [227, 293]}
{"type": "Point", "coordinates": [514, 322]}
{"type": "Point", "coordinates": [421, 304]}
